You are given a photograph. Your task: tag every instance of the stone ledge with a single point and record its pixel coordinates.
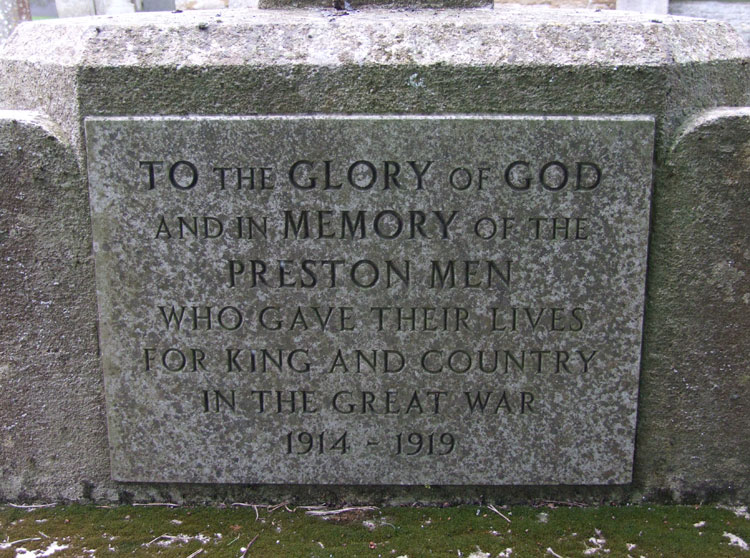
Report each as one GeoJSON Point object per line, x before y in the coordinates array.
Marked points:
{"type": "Point", "coordinates": [320, 37]}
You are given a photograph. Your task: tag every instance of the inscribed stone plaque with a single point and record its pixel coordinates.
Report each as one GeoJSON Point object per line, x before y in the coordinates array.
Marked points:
{"type": "Point", "coordinates": [371, 300]}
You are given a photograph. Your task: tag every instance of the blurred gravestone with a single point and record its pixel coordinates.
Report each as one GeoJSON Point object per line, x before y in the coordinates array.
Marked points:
{"type": "Point", "coordinates": [43, 9]}
{"type": "Point", "coordinates": [75, 8]}
{"type": "Point", "coordinates": [644, 6]}
{"type": "Point", "coordinates": [158, 5]}
{"type": "Point", "coordinates": [736, 12]}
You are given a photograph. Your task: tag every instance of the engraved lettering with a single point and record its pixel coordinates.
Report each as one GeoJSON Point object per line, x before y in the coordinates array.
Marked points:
{"type": "Point", "coordinates": [361, 175]}
{"type": "Point", "coordinates": [183, 175]}
{"type": "Point", "coordinates": [371, 299]}
{"type": "Point", "coordinates": [443, 274]}
{"type": "Point", "coordinates": [151, 165]}
{"type": "Point", "coordinates": [493, 402]}
{"type": "Point", "coordinates": [220, 401]}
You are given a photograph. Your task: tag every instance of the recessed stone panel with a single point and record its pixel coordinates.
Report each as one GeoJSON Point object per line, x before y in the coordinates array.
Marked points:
{"type": "Point", "coordinates": [371, 300]}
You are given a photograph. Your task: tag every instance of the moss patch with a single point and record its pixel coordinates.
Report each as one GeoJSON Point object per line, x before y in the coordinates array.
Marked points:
{"type": "Point", "coordinates": [477, 531]}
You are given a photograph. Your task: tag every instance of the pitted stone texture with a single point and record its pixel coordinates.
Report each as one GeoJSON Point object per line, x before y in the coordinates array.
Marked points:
{"type": "Point", "coordinates": [507, 60]}
{"type": "Point", "coordinates": [378, 37]}
{"type": "Point", "coordinates": [208, 63]}
{"type": "Point", "coordinates": [564, 415]}
{"type": "Point", "coordinates": [696, 354]}
{"type": "Point", "coordinates": [52, 424]}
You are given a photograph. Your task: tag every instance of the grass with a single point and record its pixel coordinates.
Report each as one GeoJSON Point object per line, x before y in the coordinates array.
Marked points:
{"type": "Point", "coordinates": [650, 531]}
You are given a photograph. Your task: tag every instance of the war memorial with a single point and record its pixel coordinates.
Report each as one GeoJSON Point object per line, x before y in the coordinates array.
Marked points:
{"type": "Point", "coordinates": [377, 254]}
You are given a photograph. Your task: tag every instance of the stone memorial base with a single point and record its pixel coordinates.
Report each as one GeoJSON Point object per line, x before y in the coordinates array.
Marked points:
{"type": "Point", "coordinates": [374, 256]}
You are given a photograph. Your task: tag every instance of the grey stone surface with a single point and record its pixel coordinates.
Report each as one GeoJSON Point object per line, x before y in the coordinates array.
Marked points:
{"type": "Point", "coordinates": [505, 60]}
{"type": "Point", "coordinates": [390, 62]}
{"type": "Point", "coordinates": [49, 370]}
{"type": "Point", "coordinates": [699, 292]}
{"type": "Point", "coordinates": [494, 261]}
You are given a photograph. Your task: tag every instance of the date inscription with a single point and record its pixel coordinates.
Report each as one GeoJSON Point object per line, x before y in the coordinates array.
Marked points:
{"type": "Point", "coordinates": [406, 443]}
{"type": "Point", "coordinates": [371, 299]}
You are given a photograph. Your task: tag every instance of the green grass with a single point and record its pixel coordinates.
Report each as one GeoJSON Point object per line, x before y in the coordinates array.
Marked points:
{"type": "Point", "coordinates": [656, 531]}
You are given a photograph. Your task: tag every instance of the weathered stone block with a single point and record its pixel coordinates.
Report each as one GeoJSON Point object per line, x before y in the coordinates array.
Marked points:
{"type": "Point", "coordinates": [49, 368]}
{"type": "Point", "coordinates": [380, 62]}
{"type": "Point", "coordinates": [696, 350]}
{"type": "Point", "coordinates": [365, 300]}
